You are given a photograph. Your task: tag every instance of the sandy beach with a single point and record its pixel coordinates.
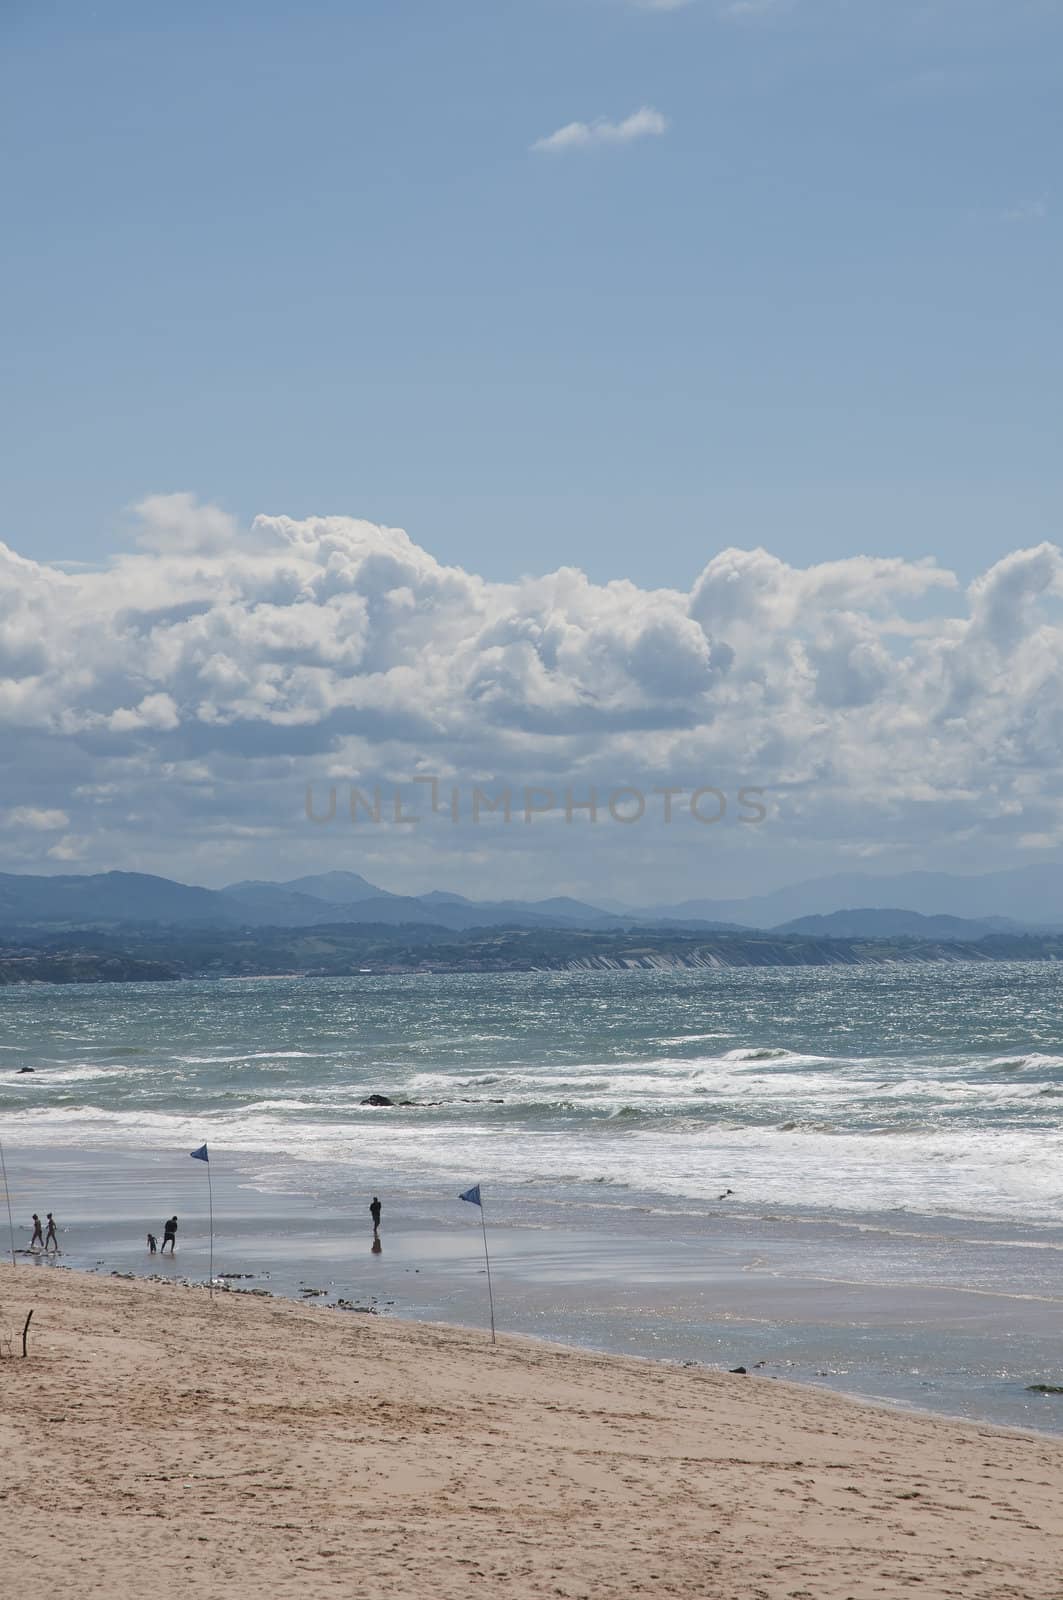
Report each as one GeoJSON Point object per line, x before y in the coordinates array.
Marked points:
{"type": "Point", "coordinates": [156, 1442]}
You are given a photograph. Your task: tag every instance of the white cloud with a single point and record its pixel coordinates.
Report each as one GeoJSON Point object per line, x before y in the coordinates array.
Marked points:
{"type": "Point", "coordinates": [154, 711]}
{"type": "Point", "coordinates": [642, 124]}
{"type": "Point", "coordinates": [179, 703]}
{"type": "Point", "coordinates": [69, 848]}
{"type": "Point", "coordinates": [37, 820]}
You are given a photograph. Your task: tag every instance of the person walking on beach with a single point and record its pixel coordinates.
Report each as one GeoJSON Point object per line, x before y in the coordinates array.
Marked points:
{"type": "Point", "coordinates": [375, 1209]}
{"type": "Point", "coordinates": [169, 1235]}
{"type": "Point", "coordinates": [38, 1236]}
{"type": "Point", "coordinates": [51, 1238]}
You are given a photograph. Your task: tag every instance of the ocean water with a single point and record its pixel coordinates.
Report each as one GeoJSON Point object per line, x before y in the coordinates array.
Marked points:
{"type": "Point", "coordinates": [852, 1176]}
{"type": "Point", "coordinates": [936, 1090]}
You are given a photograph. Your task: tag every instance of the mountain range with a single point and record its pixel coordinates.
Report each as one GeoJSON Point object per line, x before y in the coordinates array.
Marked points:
{"type": "Point", "coordinates": [923, 905]}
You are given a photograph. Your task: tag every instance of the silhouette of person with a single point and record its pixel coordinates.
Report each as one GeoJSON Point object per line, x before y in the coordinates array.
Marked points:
{"type": "Point", "coordinates": [153, 1244]}
{"type": "Point", "coordinates": [169, 1235]}
{"type": "Point", "coordinates": [375, 1209]}
{"type": "Point", "coordinates": [51, 1238]}
{"type": "Point", "coordinates": [38, 1236]}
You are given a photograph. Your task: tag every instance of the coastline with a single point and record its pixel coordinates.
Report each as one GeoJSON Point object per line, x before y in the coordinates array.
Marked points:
{"type": "Point", "coordinates": [859, 1308]}
{"type": "Point", "coordinates": [242, 1446]}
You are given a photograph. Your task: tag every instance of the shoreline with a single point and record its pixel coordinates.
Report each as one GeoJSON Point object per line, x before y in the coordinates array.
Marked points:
{"type": "Point", "coordinates": [854, 1397]}
{"type": "Point", "coordinates": [263, 1449]}
{"type": "Point", "coordinates": [717, 1291]}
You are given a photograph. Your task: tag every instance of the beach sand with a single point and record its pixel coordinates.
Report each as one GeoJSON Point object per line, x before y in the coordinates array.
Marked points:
{"type": "Point", "coordinates": [159, 1443]}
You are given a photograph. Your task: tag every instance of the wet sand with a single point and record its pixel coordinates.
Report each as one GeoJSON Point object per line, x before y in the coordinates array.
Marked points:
{"type": "Point", "coordinates": [954, 1317]}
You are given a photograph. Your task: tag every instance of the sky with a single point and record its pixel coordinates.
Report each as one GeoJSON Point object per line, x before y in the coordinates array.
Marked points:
{"type": "Point", "coordinates": [627, 290]}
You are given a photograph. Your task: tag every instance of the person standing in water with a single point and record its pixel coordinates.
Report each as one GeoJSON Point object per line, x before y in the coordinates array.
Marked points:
{"type": "Point", "coordinates": [38, 1236]}
{"type": "Point", "coordinates": [375, 1209]}
{"type": "Point", "coordinates": [51, 1238]}
{"type": "Point", "coordinates": [169, 1235]}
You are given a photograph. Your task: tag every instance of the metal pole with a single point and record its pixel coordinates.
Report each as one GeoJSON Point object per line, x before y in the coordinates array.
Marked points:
{"type": "Point", "coordinates": [210, 1205]}
{"type": "Point", "coordinates": [487, 1259]}
{"type": "Point", "coordinates": [7, 1197]}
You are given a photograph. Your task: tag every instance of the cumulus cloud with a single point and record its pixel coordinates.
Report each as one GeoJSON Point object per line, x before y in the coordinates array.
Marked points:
{"type": "Point", "coordinates": [173, 709]}
{"type": "Point", "coordinates": [36, 818]}
{"type": "Point", "coordinates": [641, 124]}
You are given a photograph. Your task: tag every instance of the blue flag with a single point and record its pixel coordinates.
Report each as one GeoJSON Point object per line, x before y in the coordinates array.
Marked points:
{"type": "Point", "coordinates": [471, 1195]}
{"type": "Point", "coordinates": [200, 1154]}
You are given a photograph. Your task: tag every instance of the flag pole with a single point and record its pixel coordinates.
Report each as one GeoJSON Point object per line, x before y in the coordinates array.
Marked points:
{"type": "Point", "coordinates": [210, 1210]}
{"type": "Point", "coordinates": [203, 1154]}
{"type": "Point", "coordinates": [487, 1259]}
{"type": "Point", "coordinates": [7, 1197]}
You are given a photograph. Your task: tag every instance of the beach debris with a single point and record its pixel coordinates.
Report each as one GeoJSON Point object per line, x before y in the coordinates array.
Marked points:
{"type": "Point", "coordinates": [1044, 1388]}
{"type": "Point", "coordinates": [25, 1332]}
{"type": "Point", "coordinates": [235, 1274]}
{"type": "Point", "coordinates": [742, 1370]}
{"type": "Point", "coordinates": [266, 1294]}
{"type": "Point", "coordinates": [352, 1305]}
{"type": "Point", "coordinates": [129, 1275]}
{"type": "Point", "coordinates": [723, 1196]}
{"type": "Point", "coordinates": [310, 1293]}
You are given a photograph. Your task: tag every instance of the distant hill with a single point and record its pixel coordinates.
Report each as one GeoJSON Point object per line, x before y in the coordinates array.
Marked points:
{"type": "Point", "coordinates": [1030, 896]}
{"type": "Point", "coordinates": [108, 897]}
{"type": "Point", "coordinates": [1025, 900]}
{"type": "Point", "coordinates": [871, 923]}
{"type": "Point", "coordinates": [340, 888]}
{"type": "Point", "coordinates": [346, 950]}
{"type": "Point", "coordinates": [114, 898]}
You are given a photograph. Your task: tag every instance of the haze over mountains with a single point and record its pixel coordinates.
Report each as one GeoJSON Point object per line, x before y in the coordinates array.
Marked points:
{"type": "Point", "coordinates": [846, 905]}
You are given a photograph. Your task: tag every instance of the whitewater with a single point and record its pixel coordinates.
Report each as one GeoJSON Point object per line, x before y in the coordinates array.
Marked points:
{"type": "Point", "coordinates": [839, 1091]}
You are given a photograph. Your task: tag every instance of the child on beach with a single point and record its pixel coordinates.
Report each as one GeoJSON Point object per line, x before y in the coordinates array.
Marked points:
{"type": "Point", "coordinates": [153, 1244]}
{"type": "Point", "coordinates": [38, 1236]}
{"type": "Point", "coordinates": [51, 1238]}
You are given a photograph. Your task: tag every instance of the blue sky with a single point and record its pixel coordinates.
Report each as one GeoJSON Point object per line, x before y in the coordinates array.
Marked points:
{"type": "Point", "coordinates": [303, 259]}
{"type": "Point", "coordinates": [627, 288]}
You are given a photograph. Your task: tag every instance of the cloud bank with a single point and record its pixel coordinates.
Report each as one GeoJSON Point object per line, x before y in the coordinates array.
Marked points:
{"type": "Point", "coordinates": [170, 711]}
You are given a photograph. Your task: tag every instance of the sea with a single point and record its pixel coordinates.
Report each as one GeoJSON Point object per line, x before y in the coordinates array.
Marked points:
{"type": "Point", "coordinates": [845, 1175]}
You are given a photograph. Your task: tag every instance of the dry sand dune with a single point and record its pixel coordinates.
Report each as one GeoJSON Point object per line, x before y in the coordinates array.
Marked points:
{"type": "Point", "coordinates": [157, 1444]}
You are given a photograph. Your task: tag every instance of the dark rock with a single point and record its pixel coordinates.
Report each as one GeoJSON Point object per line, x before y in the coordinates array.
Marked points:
{"type": "Point", "coordinates": [376, 1100]}
{"type": "Point", "coordinates": [742, 1370]}
{"type": "Point", "coordinates": [1044, 1388]}
{"type": "Point", "coordinates": [25, 1069]}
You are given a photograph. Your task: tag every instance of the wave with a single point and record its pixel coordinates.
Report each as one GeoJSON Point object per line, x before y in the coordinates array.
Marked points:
{"type": "Point", "coordinates": [1035, 1059]}
{"type": "Point", "coordinates": [47, 1076]}
{"type": "Point", "coordinates": [254, 1055]}
{"type": "Point", "coordinates": [1004, 1174]}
